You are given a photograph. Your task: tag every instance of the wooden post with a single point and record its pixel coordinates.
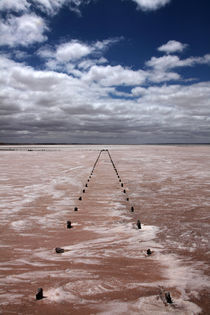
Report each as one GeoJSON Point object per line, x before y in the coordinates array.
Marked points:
{"type": "Point", "coordinates": [149, 252]}
{"type": "Point", "coordinates": [168, 298]}
{"type": "Point", "coordinates": [138, 224]}
{"type": "Point", "coordinates": [39, 294]}
{"type": "Point", "coordinates": [59, 250]}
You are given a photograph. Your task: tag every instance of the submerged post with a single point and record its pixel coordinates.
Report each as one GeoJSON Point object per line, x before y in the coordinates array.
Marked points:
{"type": "Point", "coordinates": [138, 224]}
{"type": "Point", "coordinates": [168, 298]}
{"type": "Point", "coordinates": [59, 250]}
{"type": "Point", "coordinates": [149, 252]}
{"type": "Point", "coordinates": [68, 223]}
{"type": "Point", "coordinates": [39, 294]}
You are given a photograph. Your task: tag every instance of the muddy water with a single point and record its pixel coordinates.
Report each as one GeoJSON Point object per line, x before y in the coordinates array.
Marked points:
{"type": "Point", "coordinates": [104, 268]}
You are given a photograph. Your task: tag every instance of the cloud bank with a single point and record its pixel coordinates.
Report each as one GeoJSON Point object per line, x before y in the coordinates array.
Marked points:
{"type": "Point", "coordinates": [78, 95]}
{"type": "Point", "coordinates": [87, 103]}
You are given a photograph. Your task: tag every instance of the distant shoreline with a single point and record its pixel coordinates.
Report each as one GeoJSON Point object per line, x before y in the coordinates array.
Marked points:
{"type": "Point", "coordinates": [66, 144]}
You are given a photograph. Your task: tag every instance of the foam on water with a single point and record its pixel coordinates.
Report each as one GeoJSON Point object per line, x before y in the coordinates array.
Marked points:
{"type": "Point", "coordinates": [127, 241]}
{"type": "Point", "coordinates": [149, 305]}
{"type": "Point", "coordinates": [9, 298]}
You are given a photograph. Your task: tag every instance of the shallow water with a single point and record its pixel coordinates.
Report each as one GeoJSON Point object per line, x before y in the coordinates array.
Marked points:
{"type": "Point", "coordinates": [104, 268]}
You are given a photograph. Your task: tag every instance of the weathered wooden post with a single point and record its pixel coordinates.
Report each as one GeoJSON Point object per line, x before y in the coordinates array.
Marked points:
{"type": "Point", "coordinates": [68, 223]}
{"type": "Point", "coordinates": [149, 252]}
{"type": "Point", "coordinates": [168, 298]}
{"type": "Point", "coordinates": [138, 224]}
{"type": "Point", "coordinates": [59, 250]}
{"type": "Point", "coordinates": [39, 294]}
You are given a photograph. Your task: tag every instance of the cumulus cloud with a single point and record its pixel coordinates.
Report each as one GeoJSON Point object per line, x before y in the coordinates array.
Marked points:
{"type": "Point", "coordinates": [88, 63]}
{"type": "Point", "coordinates": [176, 95]}
{"type": "Point", "coordinates": [75, 49]}
{"type": "Point", "coordinates": [50, 7]}
{"type": "Point", "coordinates": [159, 75]}
{"type": "Point", "coordinates": [22, 31]}
{"type": "Point", "coordinates": [171, 61]}
{"type": "Point", "coordinates": [85, 60]}
{"type": "Point", "coordinates": [172, 46]}
{"type": "Point", "coordinates": [66, 56]}
{"type": "Point", "coordinates": [150, 5]}
{"type": "Point", "coordinates": [14, 5]}
{"type": "Point", "coordinates": [112, 76]}
{"type": "Point", "coordinates": [50, 106]}
{"type": "Point", "coordinates": [72, 51]}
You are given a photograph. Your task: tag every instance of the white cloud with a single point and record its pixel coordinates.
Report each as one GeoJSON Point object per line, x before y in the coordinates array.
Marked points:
{"type": "Point", "coordinates": [72, 51]}
{"type": "Point", "coordinates": [113, 76]}
{"type": "Point", "coordinates": [105, 44]}
{"type": "Point", "coordinates": [22, 31]}
{"type": "Point", "coordinates": [52, 7]}
{"type": "Point", "coordinates": [78, 58]}
{"type": "Point", "coordinates": [75, 50]}
{"type": "Point", "coordinates": [14, 5]}
{"type": "Point", "coordinates": [158, 76]}
{"type": "Point", "coordinates": [163, 63]}
{"type": "Point", "coordinates": [65, 57]}
{"type": "Point", "coordinates": [171, 61]}
{"type": "Point", "coordinates": [148, 5]}
{"type": "Point", "coordinates": [88, 63]}
{"type": "Point", "coordinates": [194, 98]}
{"type": "Point", "coordinates": [47, 105]}
{"type": "Point", "coordinates": [172, 46]}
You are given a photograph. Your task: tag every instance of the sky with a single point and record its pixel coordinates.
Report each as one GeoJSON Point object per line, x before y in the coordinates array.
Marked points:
{"type": "Point", "coordinates": [104, 71]}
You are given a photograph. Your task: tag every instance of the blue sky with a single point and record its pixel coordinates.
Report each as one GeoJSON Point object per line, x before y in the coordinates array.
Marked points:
{"type": "Point", "coordinates": [105, 71]}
